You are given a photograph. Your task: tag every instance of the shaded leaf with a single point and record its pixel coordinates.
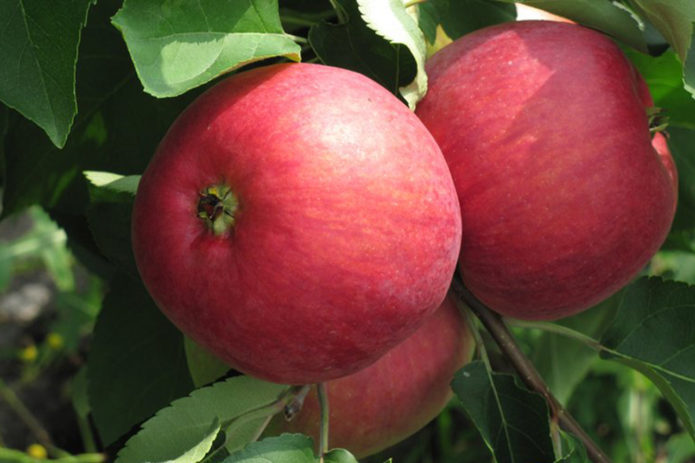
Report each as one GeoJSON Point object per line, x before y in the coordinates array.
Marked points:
{"type": "Point", "coordinates": [562, 361]}
{"type": "Point", "coordinates": [38, 52]}
{"type": "Point", "coordinates": [340, 456]}
{"type": "Point", "coordinates": [604, 16]}
{"type": "Point", "coordinates": [682, 144]}
{"type": "Point", "coordinates": [117, 128]}
{"type": "Point", "coordinates": [573, 451]}
{"type": "Point", "coordinates": [460, 17]}
{"type": "Point", "coordinates": [177, 46]}
{"type": "Point", "coordinates": [353, 45]}
{"type": "Point", "coordinates": [664, 76]}
{"type": "Point", "coordinates": [203, 366]}
{"type": "Point", "coordinates": [654, 332]}
{"type": "Point", "coordinates": [512, 421]}
{"type": "Point", "coordinates": [674, 19]}
{"type": "Point", "coordinates": [389, 19]}
{"type": "Point", "coordinates": [136, 363]}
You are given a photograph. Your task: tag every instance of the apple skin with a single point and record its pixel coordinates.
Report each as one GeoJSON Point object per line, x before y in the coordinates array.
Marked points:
{"type": "Point", "coordinates": [346, 233]}
{"type": "Point", "coordinates": [563, 198]}
{"type": "Point", "coordinates": [395, 397]}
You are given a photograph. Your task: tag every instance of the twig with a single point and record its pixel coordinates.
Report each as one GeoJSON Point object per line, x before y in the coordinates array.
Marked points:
{"type": "Point", "coordinates": [325, 418]}
{"type": "Point", "coordinates": [528, 373]}
{"type": "Point", "coordinates": [16, 404]}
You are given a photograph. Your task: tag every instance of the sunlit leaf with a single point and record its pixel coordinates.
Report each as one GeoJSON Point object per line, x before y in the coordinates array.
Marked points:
{"type": "Point", "coordinates": [179, 46]}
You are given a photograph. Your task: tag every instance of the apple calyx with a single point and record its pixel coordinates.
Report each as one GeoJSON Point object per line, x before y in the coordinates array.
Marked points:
{"type": "Point", "coordinates": [216, 207]}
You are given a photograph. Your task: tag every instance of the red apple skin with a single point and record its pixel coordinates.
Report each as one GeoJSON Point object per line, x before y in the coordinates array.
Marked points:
{"type": "Point", "coordinates": [563, 198]}
{"type": "Point", "coordinates": [345, 238]}
{"type": "Point", "coordinates": [395, 397]}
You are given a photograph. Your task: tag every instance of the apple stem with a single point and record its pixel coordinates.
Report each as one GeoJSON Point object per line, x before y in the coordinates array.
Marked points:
{"type": "Point", "coordinates": [321, 389]}
{"type": "Point", "coordinates": [527, 371]}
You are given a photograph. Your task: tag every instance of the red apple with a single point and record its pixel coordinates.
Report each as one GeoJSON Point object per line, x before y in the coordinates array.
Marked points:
{"type": "Point", "coordinates": [297, 221]}
{"type": "Point", "coordinates": [394, 397]}
{"type": "Point", "coordinates": [546, 133]}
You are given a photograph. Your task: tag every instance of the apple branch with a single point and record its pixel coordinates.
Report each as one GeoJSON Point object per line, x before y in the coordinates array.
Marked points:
{"type": "Point", "coordinates": [526, 370]}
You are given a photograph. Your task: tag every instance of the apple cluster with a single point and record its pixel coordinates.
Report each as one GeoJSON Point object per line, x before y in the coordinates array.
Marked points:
{"type": "Point", "coordinates": [298, 221]}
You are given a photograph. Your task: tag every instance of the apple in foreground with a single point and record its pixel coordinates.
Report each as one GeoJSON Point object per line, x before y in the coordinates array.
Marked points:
{"type": "Point", "coordinates": [395, 397]}
{"type": "Point", "coordinates": [297, 221]}
{"type": "Point", "coordinates": [563, 198]}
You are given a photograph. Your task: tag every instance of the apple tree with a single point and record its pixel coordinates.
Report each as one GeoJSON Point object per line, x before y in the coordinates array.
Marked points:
{"type": "Point", "coordinates": [89, 91]}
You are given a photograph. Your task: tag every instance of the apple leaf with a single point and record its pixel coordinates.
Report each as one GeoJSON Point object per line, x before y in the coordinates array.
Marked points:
{"type": "Point", "coordinates": [682, 144]}
{"type": "Point", "coordinates": [38, 52]}
{"type": "Point", "coordinates": [177, 46]}
{"type": "Point", "coordinates": [136, 359]}
{"type": "Point", "coordinates": [353, 45]}
{"type": "Point", "coordinates": [654, 332]}
{"type": "Point", "coordinates": [573, 451]}
{"type": "Point", "coordinates": [185, 430]}
{"type": "Point", "coordinates": [117, 128]}
{"type": "Point", "coordinates": [459, 17]}
{"type": "Point", "coordinates": [512, 420]}
{"type": "Point", "coordinates": [605, 16]}
{"type": "Point", "coordinates": [203, 366]}
{"type": "Point", "coordinates": [109, 219]}
{"type": "Point", "coordinates": [563, 362]}
{"type": "Point", "coordinates": [287, 448]}
{"type": "Point", "coordinates": [390, 20]}
{"type": "Point", "coordinates": [664, 76]}
{"type": "Point", "coordinates": [113, 182]}
{"type": "Point", "coordinates": [674, 19]}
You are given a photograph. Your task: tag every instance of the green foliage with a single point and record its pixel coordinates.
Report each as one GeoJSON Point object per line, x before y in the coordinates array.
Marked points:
{"type": "Point", "coordinates": [185, 431]}
{"type": "Point", "coordinates": [609, 17]}
{"type": "Point", "coordinates": [459, 17]}
{"type": "Point", "coordinates": [137, 358]}
{"type": "Point", "coordinates": [654, 332]}
{"type": "Point", "coordinates": [512, 421]}
{"type": "Point", "coordinates": [351, 44]}
{"type": "Point", "coordinates": [177, 47]}
{"type": "Point", "coordinates": [38, 46]}
{"type": "Point", "coordinates": [389, 19]}
{"type": "Point", "coordinates": [77, 130]}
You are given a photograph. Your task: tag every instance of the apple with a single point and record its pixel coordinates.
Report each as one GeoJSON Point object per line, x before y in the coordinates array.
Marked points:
{"type": "Point", "coordinates": [545, 129]}
{"type": "Point", "coordinates": [395, 397]}
{"type": "Point", "coordinates": [297, 221]}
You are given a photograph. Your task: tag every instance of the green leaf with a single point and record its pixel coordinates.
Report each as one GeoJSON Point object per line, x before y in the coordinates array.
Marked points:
{"type": "Point", "coordinates": [136, 364]}
{"type": "Point", "coordinates": [203, 366]}
{"type": "Point", "coordinates": [288, 448]}
{"type": "Point", "coordinates": [512, 421]}
{"type": "Point", "coordinates": [353, 45]}
{"type": "Point", "coordinates": [114, 182]}
{"type": "Point", "coordinates": [682, 144]}
{"type": "Point", "coordinates": [674, 19]}
{"type": "Point", "coordinates": [605, 16]}
{"type": "Point", "coordinates": [117, 128]}
{"type": "Point", "coordinates": [189, 425]}
{"type": "Point", "coordinates": [459, 17]}
{"type": "Point", "coordinates": [573, 450]}
{"type": "Point", "coordinates": [563, 362]}
{"type": "Point", "coordinates": [664, 76]}
{"type": "Point", "coordinates": [339, 456]}
{"type": "Point", "coordinates": [654, 332]}
{"type": "Point", "coordinates": [389, 19]}
{"type": "Point", "coordinates": [177, 46]}
{"type": "Point", "coordinates": [38, 52]}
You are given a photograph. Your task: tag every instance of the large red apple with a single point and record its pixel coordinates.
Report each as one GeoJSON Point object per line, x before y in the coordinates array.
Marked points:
{"type": "Point", "coordinates": [297, 221]}
{"type": "Point", "coordinates": [563, 197]}
{"type": "Point", "coordinates": [394, 397]}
